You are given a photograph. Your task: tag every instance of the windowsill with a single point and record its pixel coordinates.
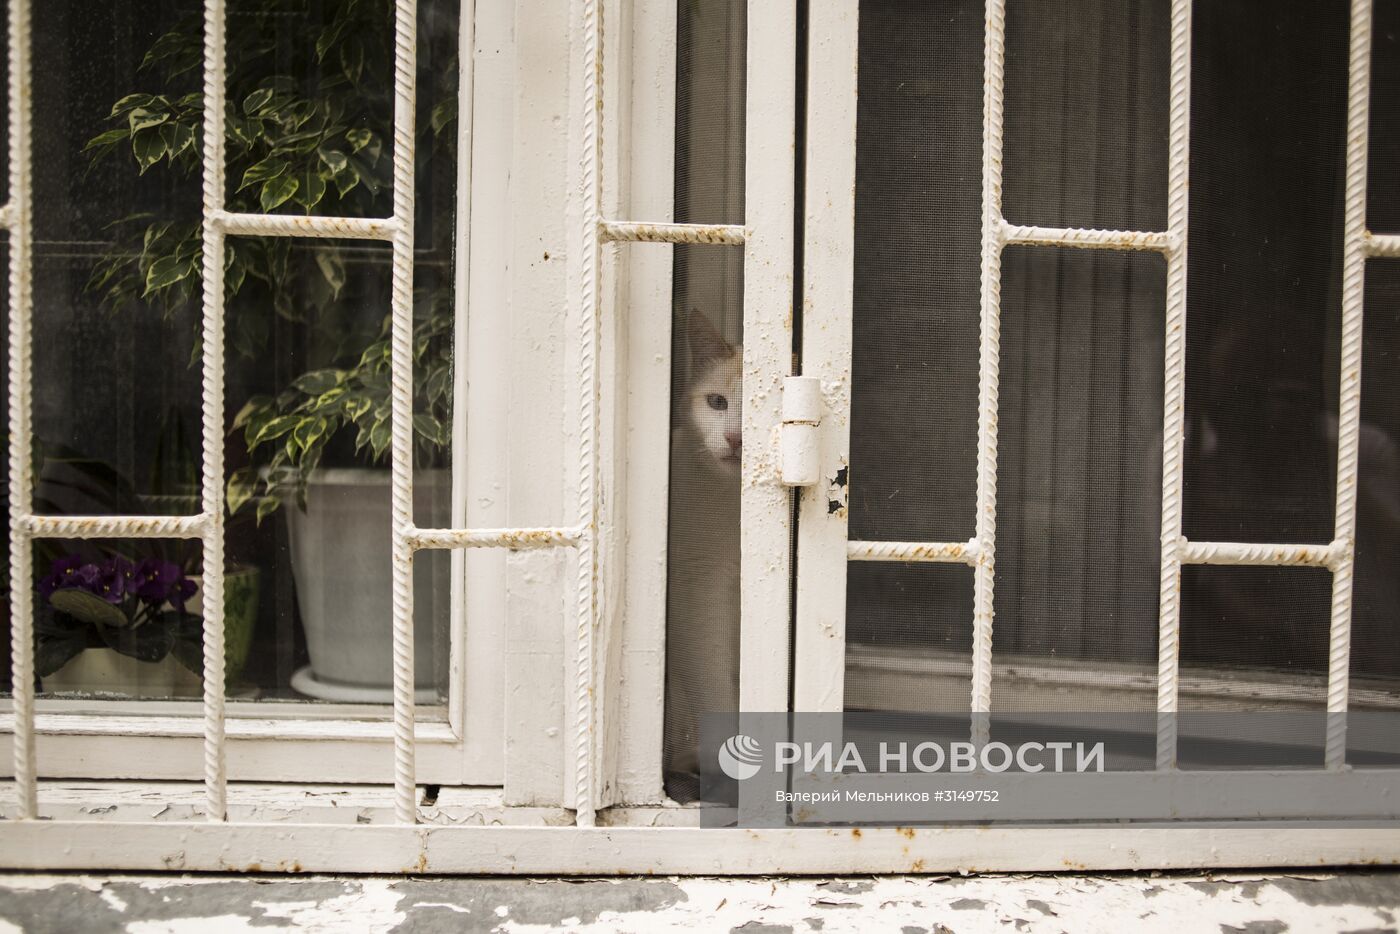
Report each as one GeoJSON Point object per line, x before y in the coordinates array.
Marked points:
{"type": "Point", "coordinates": [1019, 681]}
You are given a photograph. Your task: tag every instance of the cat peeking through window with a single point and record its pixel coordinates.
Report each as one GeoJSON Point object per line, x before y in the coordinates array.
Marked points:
{"type": "Point", "coordinates": [702, 599]}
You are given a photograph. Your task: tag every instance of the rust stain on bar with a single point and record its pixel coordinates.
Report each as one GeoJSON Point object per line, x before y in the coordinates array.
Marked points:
{"type": "Point", "coordinates": [512, 539]}
{"type": "Point", "coordinates": [292, 225]}
{"type": "Point", "coordinates": [946, 552]}
{"type": "Point", "coordinates": [1087, 239]}
{"type": "Point", "coordinates": [116, 526]}
{"type": "Point", "coordinates": [717, 234]}
{"type": "Point", "coordinates": [1249, 553]}
{"type": "Point", "coordinates": [1382, 245]}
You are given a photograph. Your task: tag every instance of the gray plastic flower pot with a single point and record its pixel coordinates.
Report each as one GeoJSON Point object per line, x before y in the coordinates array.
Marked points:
{"type": "Point", "coordinates": [341, 560]}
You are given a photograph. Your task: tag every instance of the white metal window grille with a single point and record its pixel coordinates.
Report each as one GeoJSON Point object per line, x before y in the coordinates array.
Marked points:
{"type": "Point", "coordinates": [822, 689]}
{"type": "Point", "coordinates": [208, 526]}
{"type": "Point", "coordinates": [766, 236]}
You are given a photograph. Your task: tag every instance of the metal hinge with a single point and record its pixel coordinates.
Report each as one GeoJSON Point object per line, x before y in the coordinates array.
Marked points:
{"type": "Point", "coordinates": [802, 416]}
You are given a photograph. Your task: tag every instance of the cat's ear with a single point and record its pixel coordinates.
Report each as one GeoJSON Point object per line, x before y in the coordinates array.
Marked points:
{"type": "Point", "coordinates": [704, 340]}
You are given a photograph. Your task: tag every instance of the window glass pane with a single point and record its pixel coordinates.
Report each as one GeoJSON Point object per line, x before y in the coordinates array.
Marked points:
{"type": "Point", "coordinates": [1272, 620]}
{"type": "Point", "coordinates": [311, 92]}
{"type": "Point", "coordinates": [917, 239]}
{"type": "Point", "coordinates": [702, 602]}
{"type": "Point", "coordinates": [1253, 639]}
{"type": "Point", "coordinates": [1375, 630]}
{"type": "Point", "coordinates": [123, 619]}
{"type": "Point", "coordinates": [1079, 469]}
{"type": "Point", "coordinates": [118, 361]}
{"type": "Point", "coordinates": [1086, 114]}
{"type": "Point", "coordinates": [1081, 348]}
{"type": "Point", "coordinates": [1383, 186]}
{"type": "Point", "coordinates": [1268, 133]}
{"type": "Point", "coordinates": [908, 642]}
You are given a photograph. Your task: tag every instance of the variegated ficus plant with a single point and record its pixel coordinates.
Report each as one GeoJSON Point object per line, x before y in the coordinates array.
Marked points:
{"type": "Point", "coordinates": [309, 131]}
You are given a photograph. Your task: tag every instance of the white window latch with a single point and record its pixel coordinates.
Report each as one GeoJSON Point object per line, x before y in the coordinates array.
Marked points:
{"type": "Point", "coordinates": [802, 416]}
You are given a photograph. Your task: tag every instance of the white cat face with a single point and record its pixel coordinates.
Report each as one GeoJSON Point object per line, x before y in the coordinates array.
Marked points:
{"type": "Point", "coordinates": [714, 402]}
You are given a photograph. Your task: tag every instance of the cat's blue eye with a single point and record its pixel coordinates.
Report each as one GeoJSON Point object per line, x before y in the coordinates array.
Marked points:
{"type": "Point", "coordinates": [717, 402]}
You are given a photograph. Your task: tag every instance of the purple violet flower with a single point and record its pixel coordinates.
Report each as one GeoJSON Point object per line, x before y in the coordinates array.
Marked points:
{"type": "Point", "coordinates": [113, 580]}
{"type": "Point", "coordinates": [61, 573]}
{"type": "Point", "coordinates": [86, 577]}
{"type": "Point", "coordinates": [117, 581]}
{"type": "Point", "coordinates": [158, 581]}
{"type": "Point", "coordinates": [182, 590]}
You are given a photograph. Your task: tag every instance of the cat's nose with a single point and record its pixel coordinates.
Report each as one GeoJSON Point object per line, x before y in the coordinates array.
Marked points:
{"type": "Point", "coordinates": [734, 438]}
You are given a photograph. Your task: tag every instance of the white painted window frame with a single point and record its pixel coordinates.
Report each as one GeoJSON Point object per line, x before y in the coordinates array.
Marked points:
{"type": "Point", "coordinates": [285, 742]}
{"type": "Point", "coordinates": [154, 742]}
{"type": "Point", "coordinates": [596, 742]}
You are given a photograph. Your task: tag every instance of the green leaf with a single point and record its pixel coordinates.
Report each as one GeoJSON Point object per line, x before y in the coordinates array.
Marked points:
{"type": "Point", "coordinates": [318, 381]}
{"type": "Point", "coordinates": [365, 175]}
{"type": "Point", "coordinates": [275, 428]}
{"type": "Point", "coordinates": [333, 269]}
{"type": "Point", "coordinates": [330, 399]}
{"type": "Point", "coordinates": [178, 137]}
{"type": "Point", "coordinates": [358, 139]}
{"type": "Point", "coordinates": [334, 159]}
{"type": "Point", "coordinates": [241, 486]}
{"type": "Point", "coordinates": [355, 409]}
{"type": "Point", "coordinates": [188, 645]}
{"type": "Point", "coordinates": [374, 149]}
{"type": "Point", "coordinates": [295, 113]}
{"type": "Point", "coordinates": [165, 272]}
{"type": "Point", "coordinates": [443, 114]}
{"type": "Point", "coordinates": [269, 168]}
{"type": "Point", "coordinates": [143, 117]}
{"type": "Point", "coordinates": [249, 408]}
{"type": "Point", "coordinates": [128, 102]}
{"type": "Point", "coordinates": [277, 191]}
{"type": "Point", "coordinates": [346, 181]}
{"type": "Point", "coordinates": [329, 35]}
{"type": "Point", "coordinates": [147, 147]}
{"type": "Point", "coordinates": [109, 138]}
{"type": "Point", "coordinates": [88, 607]}
{"type": "Point", "coordinates": [309, 432]}
{"type": "Point", "coordinates": [171, 45]}
{"type": "Point", "coordinates": [438, 383]}
{"type": "Point", "coordinates": [153, 233]}
{"type": "Point", "coordinates": [300, 142]}
{"type": "Point", "coordinates": [257, 100]}
{"type": "Point", "coordinates": [235, 271]}
{"type": "Point", "coordinates": [379, 438]}
{"type": "Point", "coordinates": [313, 189]}
{"type": "Point", "coordinates": [250, 335]}
{"type": "Point", "coordinates": [430, 428]}
{"type": "Point", "coordinates": [148, 643]}
{"type": "Point", "coordinates": [266, 507]}
{"type": "Point", "coordinates": [352, 59]}
{"type": "Point", "coordinates": [55, 646]}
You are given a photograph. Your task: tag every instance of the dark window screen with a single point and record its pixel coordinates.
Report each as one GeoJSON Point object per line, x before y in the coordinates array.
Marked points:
{"type": "Point", "coordinates": [1081, 355]}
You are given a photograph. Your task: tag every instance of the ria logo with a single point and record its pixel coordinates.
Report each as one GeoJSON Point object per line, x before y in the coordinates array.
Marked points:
{"type": "Point", "coordinates": [740, 757]}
